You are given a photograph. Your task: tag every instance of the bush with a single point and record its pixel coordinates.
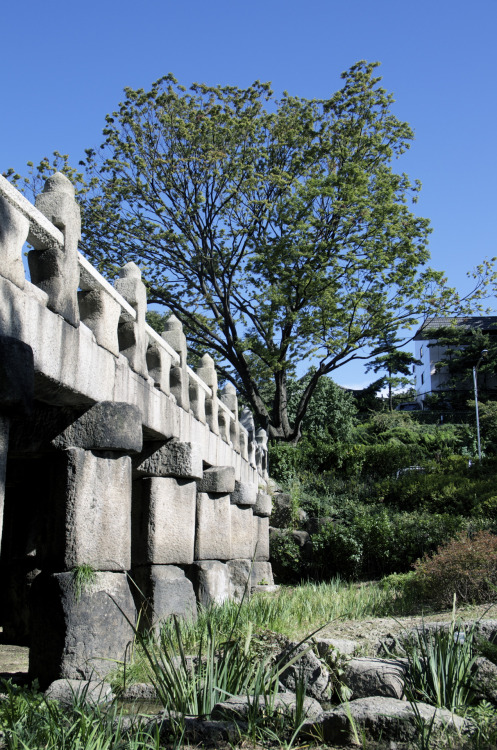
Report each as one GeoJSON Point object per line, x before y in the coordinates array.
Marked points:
{"type": "Point", "coordinates": [466, 566]}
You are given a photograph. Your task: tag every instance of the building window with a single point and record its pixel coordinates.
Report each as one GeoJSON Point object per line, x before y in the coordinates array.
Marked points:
{"type": "Point", "coordinates": [422, 378]}
{"type": "Point", "coordinates": [421, 352]}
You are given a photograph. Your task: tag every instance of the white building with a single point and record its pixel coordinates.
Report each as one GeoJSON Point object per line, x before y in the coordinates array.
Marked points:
{"type": "Point", "coordinates": [428, 379]}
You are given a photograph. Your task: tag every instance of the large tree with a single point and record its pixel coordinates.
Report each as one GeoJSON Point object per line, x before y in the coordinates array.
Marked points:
{"type": "Point", "coordinates": [396, 363]}
{"type": "Point", "coordinates": [276, 231]}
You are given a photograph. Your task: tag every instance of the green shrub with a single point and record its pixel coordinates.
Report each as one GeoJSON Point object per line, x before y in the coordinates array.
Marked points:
{"type": "Point", "coordinates": [466, 567]}
{"type": "Point", "coordinates": [286, 558]}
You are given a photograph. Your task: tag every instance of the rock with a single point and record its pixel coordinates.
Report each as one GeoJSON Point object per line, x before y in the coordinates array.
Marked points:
{"type": "Point", "coordinates": [368, 677]}
{"type": "Point", "coordinates": [386, 719]}
{"type": "Point", "coordinates": [285, 703]}
{"type": "Point", "coordinates": [197, 731]}
{"type": "Point", "coordinates": [335, 646]}
{"type": "Point", "coordinates": [139, 691]}
{"type": "Point", "coordinates": [309, 666]}
{"type": "Point", "coordinates": [72, 691]}
{"type": "Point", "coordinates": [486, 679]}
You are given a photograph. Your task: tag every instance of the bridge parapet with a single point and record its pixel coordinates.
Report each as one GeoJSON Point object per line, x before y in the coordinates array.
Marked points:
{"type": "Point", "coordinates": [114, 453]}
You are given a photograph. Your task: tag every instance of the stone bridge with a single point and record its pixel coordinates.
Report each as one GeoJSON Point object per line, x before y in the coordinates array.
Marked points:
{"type": "Point", "coordinates": [126, 484]}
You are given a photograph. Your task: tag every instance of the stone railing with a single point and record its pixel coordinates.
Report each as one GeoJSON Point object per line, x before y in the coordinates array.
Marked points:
{"type": "Point", "coordinates": [115, 314]}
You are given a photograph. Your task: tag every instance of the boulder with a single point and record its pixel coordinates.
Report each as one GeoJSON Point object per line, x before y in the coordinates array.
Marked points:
{"type": "Point", "coordinates": [77, 691]}
{"type": "Point", "coordinates": [285, 703]}
{"type": "Point", "coordinates": [386, 720]}
{"type": "Point", "coordinates": [366, 677]}
{"type": "Point", "coordinates": [309, 666]}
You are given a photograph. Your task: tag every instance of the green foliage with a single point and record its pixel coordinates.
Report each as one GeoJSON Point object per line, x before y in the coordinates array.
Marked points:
{"type": "Point", "coordinates": [83, 576]}
{"type": "Point", "coordinates": [396, 363]}
{"type": "Point", "coordinates": [465, 567]}
{"type": "Point", "coordinates": [441, 666]}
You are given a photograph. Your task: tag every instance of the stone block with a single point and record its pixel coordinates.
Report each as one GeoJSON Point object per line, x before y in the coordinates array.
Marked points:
{"type": "Point", "coordinates": [164, 590]}
{"type": "Point", "coordinates": [177, 459]}
{"type": "Point", "coordinates": [91, 522]}
{"type": "Point", "coordinates": [242, 532]}
{"type": "Point", "coordinates": [240, 582]}
{"type": "Point", "coordinates": [213, 527]}
{"type": "Point", "coordinates": [263, 505]}
{"type": "Point", "coordinates": [261, 538]}
{"type": "Point", "coordinates": [107, 426]}
{"type": "Point", "coordinates": [14, 228]}
{"type": "Point", "coordinates": [100, 312]}
{"type": "Point", "coordinates": [220, 479]}
{"type": "Point", "coordinates": [79, 636]}
{"type": "Point", "coordinates": [368, 676]}
{"type": "Point", "coordinates": [16, 376]}
{"type": "Point", "coordinates": [163, 521]}
{"type": "Point", "coordinates": [211, 581]}
{"type": "Point", "coordinates": [244, 494]}
{"type": "Point", "coordinates": [261, 574]}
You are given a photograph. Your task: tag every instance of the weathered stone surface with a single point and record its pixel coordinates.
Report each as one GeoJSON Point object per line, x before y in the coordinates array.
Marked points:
{"type": "Point", "coordinates": [173, 334]}
{"type": "Point", "coordinates": [176, 459]}
{"type": "Point", "coordinates": [107, 426]}
{"type": "Point", "coordinates": [219, 479]}
{"type": "Point", "coordinates": [79, 637]}
{"type": "Point", "coordinates": [263, 505]}
{"type": "Point", "coordinates": [14, 228]}
{"type": "Point", "coordinates": [240, 583]}
{"type": "Point", "coordinates": [139, 691]}
{"type": "Point", "coordinates": [197, 733]}
{"type": "Point", "coordinates": [281, 703]}
{"type": "Point", "coordinates": [229, 397]}
{"type": "Point", "coordinates": [197, 399]}
{"type": "Point", "coordinates": [100, 312]}
{"type": "Point", "coordinates": [56, 271]}
{"type": "Point", "coordinates": [133, 340]}
{"type": "Point", "coordinates": [16, 376]}
{"type": "Point", "coordinates": [315, 673]}
{"type": "Point", "coordinates": [486, 679]}
{"type": "Point", "coordinates": [244, 494]}
{"type": "Point", "coordinates": [163, 590]}
{"type": "Point", "coordinates": [387, 719]}
{"type": "Point", "coordinates": [159, 363]}
{"type": "Point", "coordinates": [326, 646]}
{"type": "Point", "coordinates": [211, 581]}
{"type": "Point", "coordinates": [213, 527]}
{"type": "Point", "coordinates": [262, 574]}
{"type": "Point", "coordinates": [261, 538]}
{"type": "Point", "coordinates": [91, 522]}
{"type": "Point", "coordinates": [242, 532]}
{"type": "Point", "coordinates": [163, 521]}
{"type": "Point", "coordinates": [367, 677]}
{"type": "Point", "coordinates": [69, 691]}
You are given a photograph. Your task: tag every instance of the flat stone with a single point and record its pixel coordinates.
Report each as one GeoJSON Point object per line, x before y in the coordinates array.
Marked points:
{"type": "Point", "coordinates": [281, 703]}
{"type": "Point", "coordinates": [176, 459]}
{"type": "Point", "coordinates": [72, 691]}
{"type": "Point", "coordinates": [386, 719]}
{"type": "Point", "coordinates": [107, 426]}
{"type": "Point", "coordinates": [244, 493]}
{"type": "Point", "coordinates": [219, 479]}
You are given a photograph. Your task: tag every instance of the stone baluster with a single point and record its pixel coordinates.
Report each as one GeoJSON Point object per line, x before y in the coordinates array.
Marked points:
{"type": "Point", "coordinates": [180, 386]}
{"type": "Point", "coordinates": [229, 397]}
{"type": "Point", "coordinates": [54, 270]}
{"type": "Point", "coordinates": [247, 421]}
{"type": "Point", "coordinates": [101, 314]}
{"type": "Point", "coordinates": [207, 371]}
{"type": "Point", "coordinates": [224, 425]}
{"type": "Point", "coordinates": [197, 400]}
{"type": "Point", "coordinates": [261, 451]}
{"type": "Point", "coordinates": [159, 366]}
{"type": "Point", "coordinates": [14, 228]}
{"type": "Point", "coordinates": [133, 340]}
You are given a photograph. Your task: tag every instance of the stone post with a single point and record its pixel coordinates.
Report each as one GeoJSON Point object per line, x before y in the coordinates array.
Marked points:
{"type": "Point", "coordinates": [133, 340]}
{"type": "Point", "coordinates": [159, 366]}
{"type": "Point", "coordinates": [207, 371]}
{"type": "Point", "coordinates": [78, 630]}
{"type": "Point", "coordinates": [261, 452]}
{"type": "Point", "coordinates": [101, 314]}
{"type": "Point", "coordinates": [180, 386]}
{"type": "Point", "coordinates": [53, 269]}
{"type": "Point", "coordinates": [247, 421]}
{"type": "Point", "coordinates": [229, 397]}
{"type": "Point", "coordinates": [197, 400]}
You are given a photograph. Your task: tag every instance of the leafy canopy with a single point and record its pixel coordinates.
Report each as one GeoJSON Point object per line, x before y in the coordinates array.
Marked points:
{"type": "Point", "coordinates": [276, 231]}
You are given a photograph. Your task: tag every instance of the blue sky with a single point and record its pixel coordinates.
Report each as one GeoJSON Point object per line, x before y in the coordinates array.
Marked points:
{"type": "Point", "coordinates": [65, 66]}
